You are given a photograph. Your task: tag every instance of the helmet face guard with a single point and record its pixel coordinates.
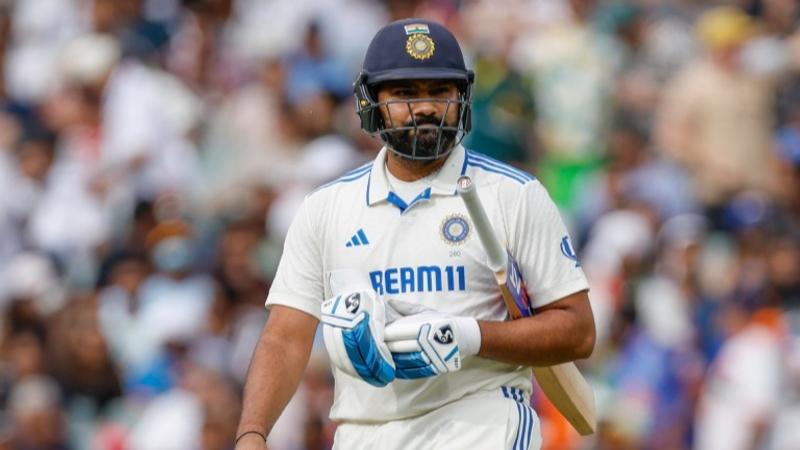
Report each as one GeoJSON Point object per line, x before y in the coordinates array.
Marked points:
{"type": "Point", "coordinates": [422, 139]}
{"type": "Point", "coordinates": [411, 50]}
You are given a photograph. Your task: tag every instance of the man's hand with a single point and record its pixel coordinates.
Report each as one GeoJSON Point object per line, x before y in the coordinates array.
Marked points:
{"type": "Point", "coordinates": [353, 326]}
{"type": "Point", "coordinates": [427, 343]}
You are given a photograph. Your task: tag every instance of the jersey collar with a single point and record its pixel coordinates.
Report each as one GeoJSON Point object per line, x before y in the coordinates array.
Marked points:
{"type": "Point", "coordinates": [443, 184]}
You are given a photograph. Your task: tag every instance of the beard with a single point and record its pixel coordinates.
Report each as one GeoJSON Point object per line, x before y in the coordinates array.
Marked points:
{"type": "Point", "coordinates": [429, 144]}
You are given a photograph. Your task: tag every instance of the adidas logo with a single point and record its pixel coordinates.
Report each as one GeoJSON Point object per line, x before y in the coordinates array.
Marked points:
{"type": "Point", "coordinates": [358, 239]}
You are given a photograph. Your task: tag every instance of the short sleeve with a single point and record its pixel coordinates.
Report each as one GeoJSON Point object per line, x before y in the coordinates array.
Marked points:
{"type": "Point", "coordinates": [298, 281]}
{"type": "Point", "coordinates": [539, 241]}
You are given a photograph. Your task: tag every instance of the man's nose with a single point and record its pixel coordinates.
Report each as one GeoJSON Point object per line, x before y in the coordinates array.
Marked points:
{"type": "Point", "coordinates": [422, 108]}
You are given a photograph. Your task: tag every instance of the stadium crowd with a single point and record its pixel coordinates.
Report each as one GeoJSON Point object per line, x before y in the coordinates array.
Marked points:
{"type": "Point", "coordinates": [153, 152]}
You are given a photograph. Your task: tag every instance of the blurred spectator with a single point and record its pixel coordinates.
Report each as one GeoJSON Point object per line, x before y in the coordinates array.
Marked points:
{"type": "Point", "coordinates": [311, 70]}
{"type": "Point", "coordinates": [325, 156]}
{"type": "Point", "coordinates": [740, 401]}
{"type": "Point", "coordinates": [38, 30]}
{"type": "Point", "coordinates": [31, 277]}
{"type": "Point", "coordinates": [572, 65]}
{"type": "Point", "coordinates": [716, 116]}
{"type": "Point", "coordinates": [201, 53]}
{"type": "Point", "coordinates": [251, 141]}
{"type": "Point", "coordinates": [619, 243]}
{"type": "Point", "coordinates": [37, 420]}
{"type": "Point", "coordinates": [79, 357]}
{"type": "Point", "coordinates": [200, 412]}
{"type": "Point", "coordinates": [153, 152]}
{"type": "Point", "coordinates": [239, 272]}
{"type": "Point", "coordinates": [500, 102]}
{"type": "Point", "coordinates": [26, 173]}
{"type": "Point", "coordinates": [633, 175]}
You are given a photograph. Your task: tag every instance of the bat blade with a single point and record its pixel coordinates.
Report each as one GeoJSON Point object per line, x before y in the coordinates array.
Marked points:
{"type": "Point", "coordinates": [570, 393]}
{"type": "Point", "coordinates": [563, 384]}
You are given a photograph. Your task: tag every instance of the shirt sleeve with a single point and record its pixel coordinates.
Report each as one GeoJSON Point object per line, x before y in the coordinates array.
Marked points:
{"type": "Point", "coordinates": [298, 281]}
{"type": "Point", "coordinates": [539, 241]}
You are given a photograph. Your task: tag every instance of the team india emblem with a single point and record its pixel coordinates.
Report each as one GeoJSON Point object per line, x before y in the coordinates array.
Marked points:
{"type": "Point", "coordinates": [455, 228]}
{"type": "Point", "coordinates": [420, 46]}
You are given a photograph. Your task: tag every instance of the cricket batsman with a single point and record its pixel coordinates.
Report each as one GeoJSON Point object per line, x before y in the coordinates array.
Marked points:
{"type": "Point", "coordinates": [387, 260]}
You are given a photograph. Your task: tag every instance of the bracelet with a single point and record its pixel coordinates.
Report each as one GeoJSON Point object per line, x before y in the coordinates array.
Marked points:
{"type": "Point", "coordinates": [236, 441]}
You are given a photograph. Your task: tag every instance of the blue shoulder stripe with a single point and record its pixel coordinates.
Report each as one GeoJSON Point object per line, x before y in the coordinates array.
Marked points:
{"type": "Point", "coordinates": [349, 176]}
{"type": "Point", "coordinates": [356, 171]}
{"type": "Point", "coordinates": [499, 164]}
{"type": "Point", "coordinates": [501, 172]}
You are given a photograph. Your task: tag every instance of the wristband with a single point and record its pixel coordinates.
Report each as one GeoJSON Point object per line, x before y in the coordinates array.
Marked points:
{"type": "Point", "coordinates": [236, 441]}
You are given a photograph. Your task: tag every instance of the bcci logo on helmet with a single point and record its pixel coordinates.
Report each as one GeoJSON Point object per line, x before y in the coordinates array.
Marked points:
{"type": "Point", "coordinates": [352, 302]}
{"type": "Point", "coordinates": [444, 335]}
{"type": "Point", "coordinates": [419, 46]}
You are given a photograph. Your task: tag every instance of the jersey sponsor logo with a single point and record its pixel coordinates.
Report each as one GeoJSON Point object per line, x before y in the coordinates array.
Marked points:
{"type": "Point", "coordinates": [360, 238]}
{"type": "Point", "coordinates": [400, 280]}
{"type": "Point", "coordinates": [444, 335]}
{"type": "Point", "coordinates": [455, 228]}
{"type": "Point", "coordinates": [568, 251]}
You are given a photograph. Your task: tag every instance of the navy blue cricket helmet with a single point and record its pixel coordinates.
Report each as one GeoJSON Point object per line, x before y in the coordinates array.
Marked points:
{"type": "Point", "coordinates": [414, 49]}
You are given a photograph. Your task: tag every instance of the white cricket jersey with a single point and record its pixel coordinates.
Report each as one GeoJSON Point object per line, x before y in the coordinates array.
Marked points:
{"type": "Point", "coordinates": [425, 251]}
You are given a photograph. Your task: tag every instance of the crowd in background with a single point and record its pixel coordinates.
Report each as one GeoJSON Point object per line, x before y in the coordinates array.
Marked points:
{"type": "Point", "coordinates": [153, 153]}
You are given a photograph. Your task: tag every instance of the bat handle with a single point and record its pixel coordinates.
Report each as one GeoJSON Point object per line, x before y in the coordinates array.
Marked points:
{"type": "Point", "coordinates": [495, 252]}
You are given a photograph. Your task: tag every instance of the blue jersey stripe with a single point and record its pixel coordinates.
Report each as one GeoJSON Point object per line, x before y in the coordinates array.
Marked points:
{"type": "Point", "coordinates": [357, 169]}
{"type": "Point", "coordinates": [349, 176]}
{"type": "Point", "coordinates": [353, 175]}
{"type": "Point", "coordinates": [520, 427]}
{"type": "Point", "coordinates": [525, 440]}
{"type": "Point", "coordinates": [466, 160]}
{"type": "Point", "coordinates": [524, 434]}
{"type": "Point", "coordinates": [492, 169]}
{"type": "Point", "coordinates": [500, 165]}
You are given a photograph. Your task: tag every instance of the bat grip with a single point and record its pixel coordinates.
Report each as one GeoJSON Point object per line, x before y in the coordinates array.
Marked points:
{"type": "Point", "coordinates": [495, 252]}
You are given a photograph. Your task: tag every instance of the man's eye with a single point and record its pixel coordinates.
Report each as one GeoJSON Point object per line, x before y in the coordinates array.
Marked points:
{"type": "Point", "coordinates": [403, 93]}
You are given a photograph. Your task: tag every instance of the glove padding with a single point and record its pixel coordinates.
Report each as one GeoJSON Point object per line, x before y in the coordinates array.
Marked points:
{"type": "Point", "coordinates": [352, 327]}
{"type": "Point", "coordinates": [427, 342]}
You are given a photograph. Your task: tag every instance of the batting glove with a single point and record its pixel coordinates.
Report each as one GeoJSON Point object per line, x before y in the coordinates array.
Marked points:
{"type": "Point", "coordinates": [427, 343]}
{"type": "Point", "coordinates": [353, 327]}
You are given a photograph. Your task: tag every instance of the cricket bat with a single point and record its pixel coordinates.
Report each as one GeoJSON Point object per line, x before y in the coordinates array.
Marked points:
{"type": "Point", "coordinates": [563, 383]}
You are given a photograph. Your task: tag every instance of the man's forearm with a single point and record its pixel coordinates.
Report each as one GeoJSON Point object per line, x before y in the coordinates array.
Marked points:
{"type": "Point", "coordinates": [275, 371]}
{"type": "Point", "coordinates": [552, 336]}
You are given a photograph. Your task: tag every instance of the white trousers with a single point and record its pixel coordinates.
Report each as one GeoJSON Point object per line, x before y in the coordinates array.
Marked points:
{"type": "Point", "coordinates": [485, 421]}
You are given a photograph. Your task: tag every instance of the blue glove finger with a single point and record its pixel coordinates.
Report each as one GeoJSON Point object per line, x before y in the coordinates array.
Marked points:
{"type": "Point", "coordinates": [382, 370]}
{"type": "Point", "coordinates": [412, 365]}
{"type": "Point", "coordinates": [409, 360]}
{"type": "Point", "coordinates": [414, 373]}
{"type": "Point", "coordinates": [365, 357]}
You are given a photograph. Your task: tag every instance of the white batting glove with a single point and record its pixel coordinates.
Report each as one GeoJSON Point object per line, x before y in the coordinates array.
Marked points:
{"type": "Point", "coordinates": [426, 342]}
{"type": "Point", "coordinates": [352, 327]}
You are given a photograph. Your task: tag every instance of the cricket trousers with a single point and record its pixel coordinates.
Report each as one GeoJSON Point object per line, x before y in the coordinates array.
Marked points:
{"type": "Point", "coordinates": [483, 421]}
